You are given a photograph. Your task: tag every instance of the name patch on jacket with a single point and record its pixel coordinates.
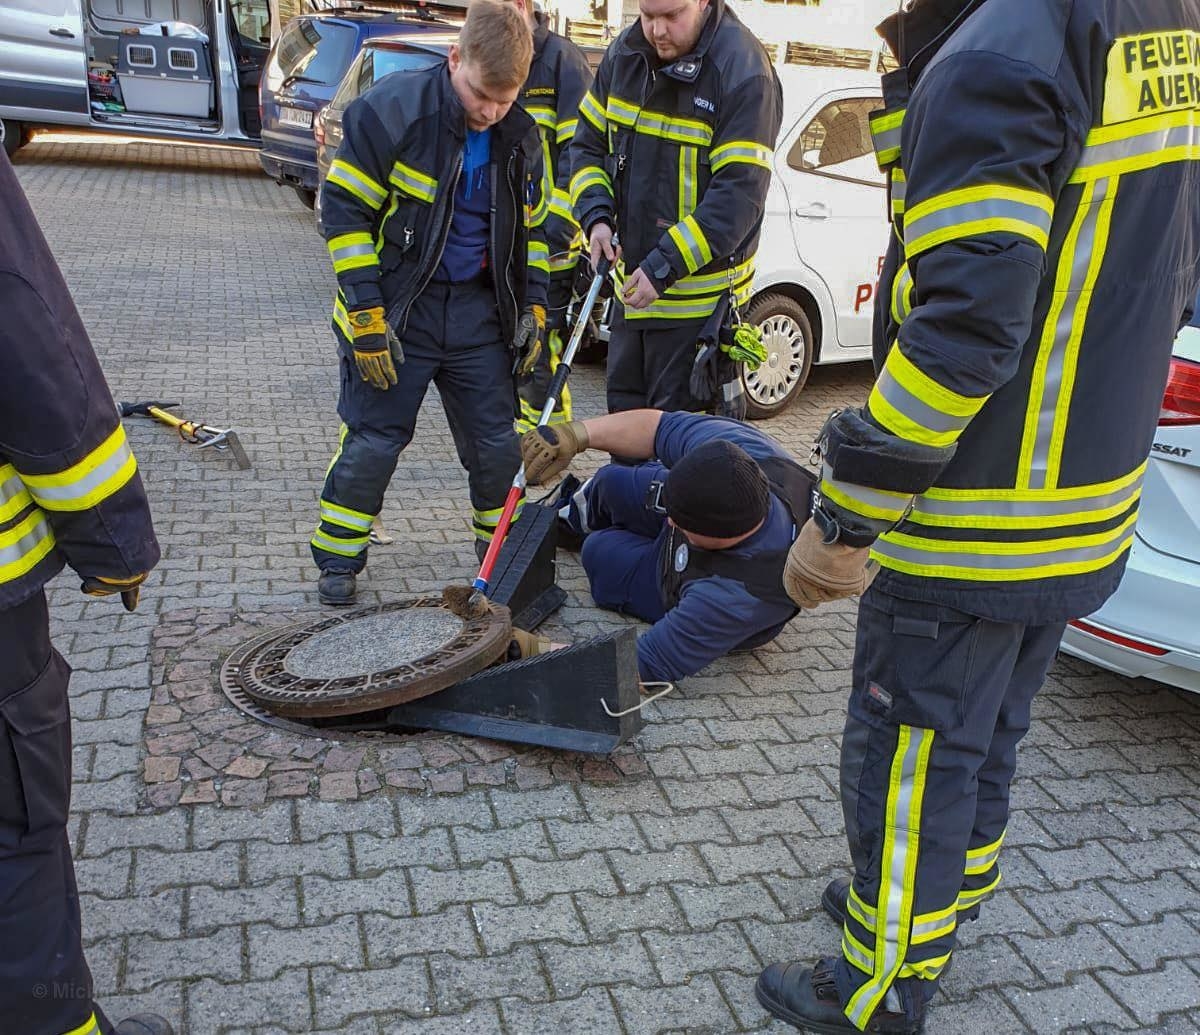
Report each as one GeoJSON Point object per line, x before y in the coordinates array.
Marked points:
{"type": "Point", "coordinates": [1151, 74]}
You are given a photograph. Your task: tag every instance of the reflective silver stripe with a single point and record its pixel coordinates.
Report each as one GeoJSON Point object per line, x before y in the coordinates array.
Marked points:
{"type": "Point", "coordinates": [13, 494]}
{"type": "Point", "coordinates": [887, 142]}
{"type": "Point", "coordinates": [345, 175]}
{"type": "Point", "coordinates": [900, 291]}
{"type": "Point", "coordinates": [1143, 145]}
{"type": "Point", "coordinates": [408, 181]}
{"type": "Point", "coordinates": [350, 547]}
{"type": "Point", "coordinates": [1031, 558]}
{"type": "Point", "coordinates": [927, 930]}
{"type": "Point", "coordinates": [61, 497]}
{"type": "Point", "coordinates": [350, 251]}
{"type": "Point", "coordinates": [856, 956]}
{"type": "Point", "coordinates": [16, 548]}
{"type": "Point", "coordinates": [899, 190]}
{"type": "Point", "coordinates": [916, 230]}
{"type": "Point", "coordinates": [1052, 385]}
{"type": "Point", "coordinates": [336, 515]}
{"type": "Point", "coordinates": [876, 503]}
{"type": "Point", "coordinates": [1026, 508]}
{"type": "Point", "coordinates": [915, 409]}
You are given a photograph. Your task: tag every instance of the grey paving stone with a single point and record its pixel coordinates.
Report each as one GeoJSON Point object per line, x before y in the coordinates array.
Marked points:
{"type": "Point", "coordinates": [151, 960]}
{"type": "Point", "coordinates": [707, 792]}
{"type": "Point", "coordinates": [662, 832]}
{"type": "Point", "coordinates": [1168, 892]}
{"type": "Point", "coordinates": [160, 915]}
{"type": "Point", "coordinates": [329, 857]}
{"type": "Point", "coordinates": [539, 880]}
{"type": "Point", "coordinates": [571, 839]}
{"type": "Point", "coordinates": [593, 1011]}
{"type": "Point", "coordinates": [475, 846]}
{"type": "Point", "coordinates": [637, 872]}
{"type": "Point", "coordinates": [166, 830]}
{"type": "Point", "coordinates": [272, 949]}
{"type": "Point", "coordinates": [1082, 1001]}
{"type": "Point", "coordinates": [373, 853]}
{"type": "Point", "coordinates": [1173, 936]}
{"type": "Point", "coordinates": [155, 869]}
{"type": "Point", "coordinates": [434, 889]}
{"type": "Point", "coordinates": [1061, 957]}
{"type": "Point", "coordinates": [400, 989]}
{"type": "Point", "coordinates": [391, 939]}
{"type": "Point", "coordinates": [732, 863]}
{"type": "Point", "coordinates": [703, 908]}
{"type": "Point", "coordinates": [513, 808]}
{"type": "Point", "coordinates": [650, 910]}
{"type": "Point", "coordinates": [459, 982]}
{"type": "Point", "coordinates": [696, 1007]}
{"type": "Point", "coordinates": [417, 815]}
{"type": "Point", "coordinates": [276, 903]}
{"type": "Point", "coordinates": [325, 899]}
{"type": "Point", "coordinates": [984, 1013]}
{"type": "Point", "coordinates": [679, 957]}
{"type": "Point", "coordinates": [484, 1018]}
{"type": "Point", "coordinates": [1060, 910]}
{"type": "Point", "coordinates": [106, 876]}
{"type": "Point", "coordinates": [212, 825]}
{"type": "Point", "coordinates": [502, 927]}
{"type": "Point", "coordinates": [574, 968]}
{"type": "Point", "coordinates": [283, 1000]}
{"type": "Point", "coordinates": [1171, 988]}
{"type": "Point", "coordinates": [318, 818]}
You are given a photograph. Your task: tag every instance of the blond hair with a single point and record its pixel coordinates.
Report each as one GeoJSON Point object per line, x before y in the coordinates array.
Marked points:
{"type": "Point", "coordinates": [496, 39]}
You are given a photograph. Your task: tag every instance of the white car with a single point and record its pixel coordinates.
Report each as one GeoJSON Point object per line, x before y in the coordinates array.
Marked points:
{"type": "Point", "coordinates": [824, 233]}
{"type": "Point", "coordinates": [1151, 625]}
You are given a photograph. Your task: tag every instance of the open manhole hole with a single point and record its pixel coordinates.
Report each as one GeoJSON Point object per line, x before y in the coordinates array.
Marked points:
{"type": "Point", "coordinates": [361, 662]}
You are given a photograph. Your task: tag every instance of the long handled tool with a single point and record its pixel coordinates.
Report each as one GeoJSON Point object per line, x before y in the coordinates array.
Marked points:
{"type": "Point", "coordinates": [476, 602]}
{"type": "Point", "coordinates": [192, 432]}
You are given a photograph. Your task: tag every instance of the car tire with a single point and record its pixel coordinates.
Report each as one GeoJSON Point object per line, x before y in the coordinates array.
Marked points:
{"type": "Point", "coordinates": [13, 134]}
{"type": "Point", "coordinates": [788, 336]}
{"type": "Point", "coordinates": [308, 198]}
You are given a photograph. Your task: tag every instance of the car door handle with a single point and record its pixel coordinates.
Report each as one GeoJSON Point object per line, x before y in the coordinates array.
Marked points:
{"type": "Point", "coordinates": [817, 210]}
{"type": "Point", "coordinates": [64, 33]}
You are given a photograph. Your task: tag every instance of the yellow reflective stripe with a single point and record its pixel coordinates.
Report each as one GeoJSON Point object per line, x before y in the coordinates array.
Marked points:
{"type": "Point", "coordinates": [351, 546]}
{"type": "Point", "coordinates": [982, 859]}
{"type": "Point", "coordinates": [976, 211]}
{"type": "Point", "coordinates": [14, 497]}
{"type": "Point", "coordinates": [902, 294]}
{"type": "Point", "coordinates": [621, 112]}
{"type": "Point", "coordinates": [24, 545]}
{"type": "Point", "coordinates": [345, 517]}
{"type": "Point", "coordinates": [886, 127]}
{"type": "Point", "coordinates": [413, 182]}
{"type": "Point", "coordinates": [338, 452]}
{"type": "Point", "coordinates": [749, 152]}
{"type": "Point", "coordinates": [706, 283]}
{"type": "Point", "coordinates": [687, 188]}
{"type": "Point", "coordinates": [104, 471]}
{"type": "Point", "coordinates": [692, 244]}
{"type": "Point", "coordinates": [909, 403]}
{"type": "Point", "coordinates": [927, 970]}
{"type": "Point", "coordinates": [899, 191]}
{"type": "Point", "coordinates": [546, 118]}
{"type": "Point", "coordinates": [1142, 144]}
{"type": "Point", "coordinates": [539, 255]}
{"type": "Point", "coordinates": [341, 318]}
{"type": "Point", "coordinates": [352, 251]}
{"type": "Point", "coordinates": [1028, 508]}
{"type": "Point", "coordinates": [871, 503]}
{"type": "Point", "coordinates": [1003, 561]}
{"type": "Point", "coordinates": [860, 910]}
{"type": "Point", "coordinates": [898, 869]}
{"type": "Point", "coordinates": [88, 1027]}
{"type": "Point", "coordinates": [560, 205]}
{"type": "Point", "coordinates": [485, 521]}
{"type": "Point", "coordinates": [355, 181]}
{"type": "Point", "coordinates": [856, 953]}
{"type": "Point", "coordinates": [1053, 371]}
{"type": "Point", "coordinates": [928, 927]}
{"type": "Point", "coordinates": [590, 109]}
{"type": "Point", "coordinates": [589, 176]}
{"type": "Point", "coordinates": [968, 899]}
{"type": "Point", "coordinates": [657, 123]}
{"type": "Point", "coordinates": [565, 130]}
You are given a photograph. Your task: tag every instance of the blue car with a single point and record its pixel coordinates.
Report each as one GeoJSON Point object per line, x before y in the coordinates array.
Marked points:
{"type": "Point", "coordinates": [303, 71]}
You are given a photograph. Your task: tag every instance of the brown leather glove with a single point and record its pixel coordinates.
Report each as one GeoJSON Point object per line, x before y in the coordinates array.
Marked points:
{"type": "Point", "coordinates": [531, 333]}
{"type": "Point", "coordinates": [818, 572]}
{"type": "Point", "coordinates": [129, 588]}
{"type": "Point", "coordinates": [549, 450]}
{"type": "Point", "coordinates": [526, 644]}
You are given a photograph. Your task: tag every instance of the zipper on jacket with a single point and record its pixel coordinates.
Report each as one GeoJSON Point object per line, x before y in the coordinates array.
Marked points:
{"type": "Point", "coordinates": [436, 257]}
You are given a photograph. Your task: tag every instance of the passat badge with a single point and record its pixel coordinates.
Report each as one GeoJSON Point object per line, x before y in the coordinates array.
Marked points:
{"type": "Point", "coordinates": [681, 557]}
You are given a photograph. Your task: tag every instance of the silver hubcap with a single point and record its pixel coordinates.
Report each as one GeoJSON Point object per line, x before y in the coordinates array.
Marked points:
{"type": "Point", "coordinates": [779, 375]}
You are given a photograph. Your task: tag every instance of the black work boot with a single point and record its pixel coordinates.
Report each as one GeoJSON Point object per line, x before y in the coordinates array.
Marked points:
{"type": "Point", "coordinates": [145, 1024]}
{"type": "Point", "coordinates": [807, 998]}
{"type": "Point", "coordinates": [337, 587]}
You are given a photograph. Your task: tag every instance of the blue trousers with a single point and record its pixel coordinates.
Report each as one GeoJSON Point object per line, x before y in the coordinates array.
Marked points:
{"type": "Point", "coordinates": [454, 340]}
{"type": "Point", "coordinates": [940, 700]}
{"type": "Point", "coordinates": [625, 541]}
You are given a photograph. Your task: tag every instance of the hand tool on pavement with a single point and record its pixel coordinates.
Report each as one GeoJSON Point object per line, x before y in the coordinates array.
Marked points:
{"type": "Point", "coordinates": [192, 432]}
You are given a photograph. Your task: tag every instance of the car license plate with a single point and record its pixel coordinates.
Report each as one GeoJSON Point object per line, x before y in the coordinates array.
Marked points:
{"type": "Point", "coordinates": [295, 117]}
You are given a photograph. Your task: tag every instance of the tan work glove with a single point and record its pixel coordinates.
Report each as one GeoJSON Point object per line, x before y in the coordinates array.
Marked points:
{"type": "Point", "coordinates": [376, 347]}
{"type": "Point", "coordinates": [549, 450]}
{"type": "Point", "coordinates": [817, 572]}
{"type": "Point", "coordinates": [129, 588]}
{"type": "Point", "coordinates": [525, 645]}
{"type": "Point", "coordinates": [531, 331]}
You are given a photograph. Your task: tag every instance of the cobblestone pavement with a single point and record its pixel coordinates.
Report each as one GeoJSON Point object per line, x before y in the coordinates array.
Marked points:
{"type": "Point", "coordinates": [474, 889]}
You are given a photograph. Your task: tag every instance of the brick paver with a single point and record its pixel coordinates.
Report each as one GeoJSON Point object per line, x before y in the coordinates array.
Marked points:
{"type": "Point", "coordinates": [470, 886]}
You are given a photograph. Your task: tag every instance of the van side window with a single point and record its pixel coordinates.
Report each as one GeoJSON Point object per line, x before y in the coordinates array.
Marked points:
{"type": "Point", "coordinates": [838, 142]}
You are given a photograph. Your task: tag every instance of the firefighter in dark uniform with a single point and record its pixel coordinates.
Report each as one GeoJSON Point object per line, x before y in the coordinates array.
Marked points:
{"type": "Point", "coordinates": [1043, 168]}
{"type": "Point", "coordinates": [441, 275]}
{"type": "Point", "coordinates": [673, 151]}
{"type": "Point", "coordinates": [70, 494]}
{"type": "Point", "coordinates": [694, 541]}
{"type": "Point", "coordinates": [558, 78]}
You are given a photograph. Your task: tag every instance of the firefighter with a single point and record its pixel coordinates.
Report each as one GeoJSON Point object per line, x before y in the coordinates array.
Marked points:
{"type": "Point", "coordinates": [673, 150]}
{"type": "Point", "coordinates": [558, 79]}
{"type": "Point", "coordinates": [1042, 160]}
{"type": "Point", "coordinates": [441, 277]}
{"type": "Point", "coordinates": [694, 541]}
{"type": "Point", "coordinates": [70, 494]}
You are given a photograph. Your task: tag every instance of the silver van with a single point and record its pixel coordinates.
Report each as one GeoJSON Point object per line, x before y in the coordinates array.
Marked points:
{"type": "Point", "coordinates": [179, 69]}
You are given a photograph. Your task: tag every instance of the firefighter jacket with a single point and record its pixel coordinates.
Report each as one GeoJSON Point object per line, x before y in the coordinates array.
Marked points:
{"type": "Point", "coordinates": [558, 78]}
{"type": "Point", "coordinates": [388, 200]}
{"type": "Point", "coordinates": [1045, 200]}
{"type": "Point", "coordinates": [69, 486]}
{"type": "Point", "coordinates": [678, 159]}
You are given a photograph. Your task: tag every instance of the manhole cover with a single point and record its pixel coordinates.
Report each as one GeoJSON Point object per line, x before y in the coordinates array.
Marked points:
{"type": "Point", "coordinates": [365, 660]}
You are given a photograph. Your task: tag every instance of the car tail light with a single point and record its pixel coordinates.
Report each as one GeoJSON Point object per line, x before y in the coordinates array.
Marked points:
{"type": "Point", "coordinates": [1181, 401]}
{"type": "Point", "coordinates": [1118, 639]}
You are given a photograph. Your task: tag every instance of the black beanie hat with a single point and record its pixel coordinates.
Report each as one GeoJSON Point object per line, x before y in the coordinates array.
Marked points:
{"type": "Point", "coordinates": [716, 490]}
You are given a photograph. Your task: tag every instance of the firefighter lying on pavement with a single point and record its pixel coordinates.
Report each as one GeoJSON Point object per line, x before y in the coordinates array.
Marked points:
{"type": "Point", "coordinates": [1047, 229]}
{"type": "Point", "coordinates": [70, 494]}
{"type": "Point", "coordinates": [558, 78]}
{"type": "Point", "coordinates": [694, 541]}
{"type": "Point", "coordinates": [441, 277]}
{"type": "Point", "coordinates": [673, 152]}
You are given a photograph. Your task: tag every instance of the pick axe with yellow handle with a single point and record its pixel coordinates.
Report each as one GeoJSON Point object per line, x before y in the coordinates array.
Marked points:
{"type": "Point", "coordinates": [192, 432]}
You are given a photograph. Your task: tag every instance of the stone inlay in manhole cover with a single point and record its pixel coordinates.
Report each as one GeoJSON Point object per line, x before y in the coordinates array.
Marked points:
{"type": "Point", "coordinates": [374, 644]}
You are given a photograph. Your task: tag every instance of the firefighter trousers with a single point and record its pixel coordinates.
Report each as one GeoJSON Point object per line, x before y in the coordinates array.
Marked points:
{"type": "Point", "coordinates": [533, 388]}
{"type": "Point", "coordinates": [454, 339]}
{"type": "Point", "coordinates": [652, 367]}
{"type": "Point", "coordinates": [45, 984]}
{"type": "Point", "coordinates": [940, 700]}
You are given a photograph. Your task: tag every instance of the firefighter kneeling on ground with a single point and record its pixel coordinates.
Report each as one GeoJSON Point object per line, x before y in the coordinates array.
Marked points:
{"type": "Point", "coordinates": [694, 541]}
